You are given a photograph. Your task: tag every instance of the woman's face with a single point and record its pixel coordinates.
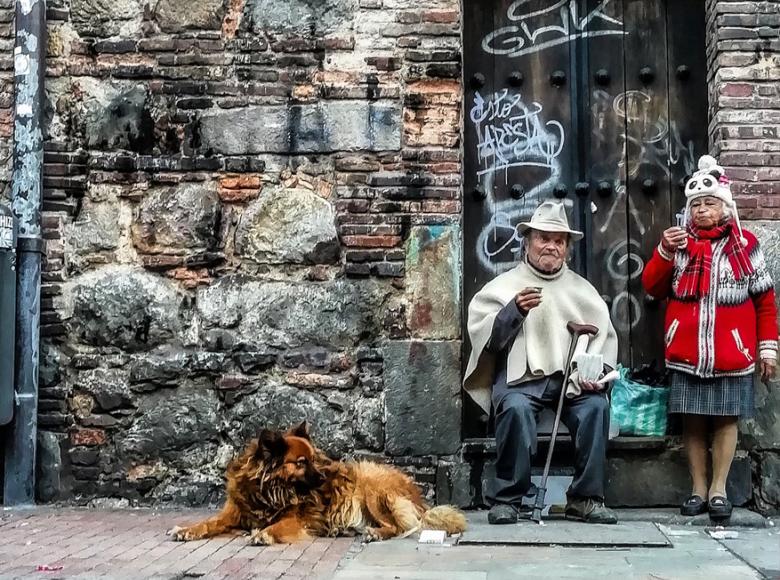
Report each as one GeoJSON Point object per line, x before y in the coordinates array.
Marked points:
{"type": "Point", "coordinates": [707, 212]}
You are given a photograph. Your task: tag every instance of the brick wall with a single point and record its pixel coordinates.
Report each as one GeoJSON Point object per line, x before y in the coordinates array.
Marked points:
{"type": "Point", "coordinates": [743, 51]}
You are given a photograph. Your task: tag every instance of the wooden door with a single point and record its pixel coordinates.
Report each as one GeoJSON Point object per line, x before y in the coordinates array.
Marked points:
{"type": "Point", "coordinates": [600, 103]}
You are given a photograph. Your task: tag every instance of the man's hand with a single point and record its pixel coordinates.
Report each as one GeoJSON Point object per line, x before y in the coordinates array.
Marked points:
{"type": "Point", "coordinates": [591, 386]}
{"type": "Point", "coordinates": [673, 238]}
{"type": "Point", "coordinates": [768, 369]}
{"type": "Point", "coordinates": [527, 299]}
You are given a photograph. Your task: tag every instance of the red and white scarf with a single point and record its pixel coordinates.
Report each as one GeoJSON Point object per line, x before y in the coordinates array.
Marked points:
{"type": "Point", "coordinates": [695, 279]}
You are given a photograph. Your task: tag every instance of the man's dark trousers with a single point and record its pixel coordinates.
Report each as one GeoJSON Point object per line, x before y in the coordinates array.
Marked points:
{"type": "Point", "coordinates": [516, 410]}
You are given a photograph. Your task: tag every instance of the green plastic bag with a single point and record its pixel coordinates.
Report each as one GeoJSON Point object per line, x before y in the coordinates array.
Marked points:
{"type": "Point", "coordinates": [639, 409]}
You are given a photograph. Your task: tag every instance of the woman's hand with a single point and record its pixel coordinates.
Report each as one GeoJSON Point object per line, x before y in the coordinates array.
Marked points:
{"type": "Point", "coordinates": [768, 369]}
{"type": "Point", "coordinates": [673, 239]}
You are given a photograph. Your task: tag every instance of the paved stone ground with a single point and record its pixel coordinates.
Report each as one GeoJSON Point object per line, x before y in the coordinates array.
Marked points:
{"type": "Point", "coordinates": [754, 554]}
{"type": "Point", "coordinates": [131, 543]}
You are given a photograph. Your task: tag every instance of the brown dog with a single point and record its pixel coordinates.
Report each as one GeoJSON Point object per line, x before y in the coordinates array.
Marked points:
{"type": "Point", "coordinates": [283, 489]}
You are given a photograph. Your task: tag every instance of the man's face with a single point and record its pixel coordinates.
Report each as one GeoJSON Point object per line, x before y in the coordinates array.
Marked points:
{"type": "Point", "coordinates": [547, 250]}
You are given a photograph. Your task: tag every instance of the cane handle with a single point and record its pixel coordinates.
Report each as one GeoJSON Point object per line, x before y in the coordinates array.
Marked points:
{"type": "Point", "coordinates": [580, 329]}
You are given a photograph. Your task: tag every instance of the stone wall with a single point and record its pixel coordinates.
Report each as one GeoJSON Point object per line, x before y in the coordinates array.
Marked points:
{"type": "Point", "coordinates": [252, 216]}
{"type": "Point", "coordinates": [743, 49]}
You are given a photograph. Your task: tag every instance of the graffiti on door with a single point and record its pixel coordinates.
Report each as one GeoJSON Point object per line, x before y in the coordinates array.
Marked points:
{"type": "Point", "coordinates": [512, 134]}
{"type": "Point", "coordinates": [532, 33]}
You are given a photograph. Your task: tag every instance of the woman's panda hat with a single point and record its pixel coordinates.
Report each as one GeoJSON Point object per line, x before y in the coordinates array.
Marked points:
{"type": "Point", "coordinates": [711, 181]}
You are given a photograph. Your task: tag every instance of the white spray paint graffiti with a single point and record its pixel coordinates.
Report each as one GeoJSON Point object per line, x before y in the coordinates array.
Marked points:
{"type": "Point", "coordinates": [624, 263]}
{"type": "Point", "coordinates": [530, 36]}
{"type": "Point", "coordinates": [646, 141]}
{"type": "Point", "coordinates": [511, 134]}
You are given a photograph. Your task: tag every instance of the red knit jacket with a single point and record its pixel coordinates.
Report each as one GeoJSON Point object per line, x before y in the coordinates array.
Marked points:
{"type": "Point", "coordinates": [716, 335]}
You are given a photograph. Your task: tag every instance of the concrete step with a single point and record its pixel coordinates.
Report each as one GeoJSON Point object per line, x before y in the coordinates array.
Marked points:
{"type": "Point", "coordinates": [642, 472]}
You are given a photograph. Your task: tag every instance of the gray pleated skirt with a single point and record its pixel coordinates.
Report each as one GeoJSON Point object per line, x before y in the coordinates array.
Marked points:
{"type": "Point", "coordinates": [722, 396]}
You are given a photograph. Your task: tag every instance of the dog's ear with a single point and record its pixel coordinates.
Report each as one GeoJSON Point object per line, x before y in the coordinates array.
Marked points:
{"type": "Point", "coordinates": [301, 430]}
{"type": "Point", "coordinates": [270, 444]}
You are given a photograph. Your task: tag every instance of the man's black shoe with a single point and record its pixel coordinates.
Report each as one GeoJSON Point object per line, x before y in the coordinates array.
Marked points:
{"type": "Point", "coordinates": [502, 513]}
{"type": "Point", "coordinates": [586, 509]}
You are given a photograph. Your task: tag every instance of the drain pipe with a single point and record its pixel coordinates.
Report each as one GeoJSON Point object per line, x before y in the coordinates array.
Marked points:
{"type": "Point", "coordinates": [29, 69]}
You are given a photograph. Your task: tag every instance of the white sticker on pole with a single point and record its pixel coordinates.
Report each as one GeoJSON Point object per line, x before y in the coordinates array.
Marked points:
{"type": "Point", "coordinates": [21, 62]}
{"type": "Point", "coordinates": [27, 5]}
{"type": "Point", "coordinates": [6, 229]}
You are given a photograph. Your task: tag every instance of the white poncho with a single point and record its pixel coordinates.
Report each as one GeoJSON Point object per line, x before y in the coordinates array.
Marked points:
{"type": "Point", "coordinates": [543, 342]}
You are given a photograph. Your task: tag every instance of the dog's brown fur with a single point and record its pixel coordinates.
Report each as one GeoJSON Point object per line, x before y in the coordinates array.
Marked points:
{"type": "Point", "coordinates": [283, 489]}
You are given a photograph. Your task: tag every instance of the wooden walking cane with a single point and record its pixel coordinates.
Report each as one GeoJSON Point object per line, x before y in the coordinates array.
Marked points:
{"type": "Point", "coordinates": [576, 330]}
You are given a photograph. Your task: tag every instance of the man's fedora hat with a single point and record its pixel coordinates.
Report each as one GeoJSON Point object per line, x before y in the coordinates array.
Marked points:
{"type": "Point", "coordinates": [550, 216]}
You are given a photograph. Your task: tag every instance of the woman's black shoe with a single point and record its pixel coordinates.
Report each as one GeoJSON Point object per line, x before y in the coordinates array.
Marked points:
{"type": "Point", "coordinates": [720, 508]}
{"type": "Point", "coordinates": [693, 506]}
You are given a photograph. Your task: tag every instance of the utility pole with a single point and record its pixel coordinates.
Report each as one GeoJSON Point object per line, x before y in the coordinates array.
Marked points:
{"type": "Point", "coordinates": [29, 69]}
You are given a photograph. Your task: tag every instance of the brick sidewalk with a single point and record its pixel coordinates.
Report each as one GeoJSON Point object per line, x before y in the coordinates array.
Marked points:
{"type": "Point", "coordinates": [132, 543]}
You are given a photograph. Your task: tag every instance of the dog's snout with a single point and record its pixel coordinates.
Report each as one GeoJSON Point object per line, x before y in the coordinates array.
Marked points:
{"type": "Point", "coordinates": [315, 477]}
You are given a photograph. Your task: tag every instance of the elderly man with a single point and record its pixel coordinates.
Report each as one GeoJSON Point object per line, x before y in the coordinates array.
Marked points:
{"type": "Point", "coordinates": [517, 327]}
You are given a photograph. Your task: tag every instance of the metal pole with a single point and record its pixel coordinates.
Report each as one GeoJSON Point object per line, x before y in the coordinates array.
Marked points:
{"type": "Point", "coordinates": [29, 69]}
{"type": "Point", "coordinates": [7, 312]}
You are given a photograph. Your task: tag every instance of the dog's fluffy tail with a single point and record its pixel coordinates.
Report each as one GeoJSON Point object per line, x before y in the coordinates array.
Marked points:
{"type": "Point", "coordinates": [444, 517]}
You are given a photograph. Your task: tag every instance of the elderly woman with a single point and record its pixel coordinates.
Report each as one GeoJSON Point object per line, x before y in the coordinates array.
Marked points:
{"type": "Point", "coordinates": [721, 316]}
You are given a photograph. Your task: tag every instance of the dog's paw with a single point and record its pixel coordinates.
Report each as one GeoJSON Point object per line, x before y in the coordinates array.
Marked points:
{"type": "Point", "coordinates": [180, 534]}
{"type": "Point", "coordinates": [261, 538]}
{"type": "Point", "coordinates": [373, 535]}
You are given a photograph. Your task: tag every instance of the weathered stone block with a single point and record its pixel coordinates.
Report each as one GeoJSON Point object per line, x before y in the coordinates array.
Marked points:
{"type": "Point", "coordinates": [252, 362]}
{"type": "Point", "coordinates": [288, 225]}
{"type": "Point", "coordinates": [83, 456]}
{"type": "Point", "coordinates": [422, 397]}
{"type": "Point", "coordinates": [179, 218]}
{"type": "Point", "coordinates": [169, 422]}
{"type": "Point", "coordinates": [763, 430]}
{"type": "Point", "coordinates": [369, 424]}
{"type": "Point", "coordinates": [161, 367]}
{"type": "Point", "coordinates": [317, 128]}
{"type": "Point", "coordinates": [768, 234]}
{"type": "Point", "coordinates": [299, 17]}
{"type": "Point", "coordinates": [663, 480]}
{"type": "Point", "coordinates": [105, 114]}
{"type": "Point", "coordinates": [208, 490]}
{"type": "Point", "coordinates": [433, 274]}
{"type": "Point", "coordinates": [178, 15]}
{"type": "Point", "coordinates": [108, 387]}
{"type": "Point", "coordinates": [96, 230]}
{"type": "Point", "coordinates": [275, 406]}
{"type": "Point", "coordinates": [123, 307]}
{"type": "Point", "coordinates": [104, 18]}
{"type": "Point", "coordinates": [282, 314]}
{"type": "Point", "coordinates": [51, 363]}
{"type": "Point", "coordinates": [768, 494]}
{"type": "Point", "coordinates": [49, 466]}
{"type": "Point", "coordinates": [454, 485]}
